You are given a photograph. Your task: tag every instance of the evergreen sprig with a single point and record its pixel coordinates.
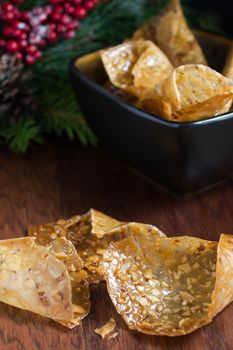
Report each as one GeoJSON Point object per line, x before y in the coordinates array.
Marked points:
{"type": "Point", "coordinates": [58, 112]}
{"type": "Point", "coordinates": [20, 135]}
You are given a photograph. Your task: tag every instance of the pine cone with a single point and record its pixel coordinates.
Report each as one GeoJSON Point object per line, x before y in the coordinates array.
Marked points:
{"type": "Point", "coordinates": [16, 96]}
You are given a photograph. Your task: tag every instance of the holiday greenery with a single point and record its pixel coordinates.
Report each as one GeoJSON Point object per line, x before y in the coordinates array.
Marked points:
{"type": "Point", "coordinates": [37, 41]}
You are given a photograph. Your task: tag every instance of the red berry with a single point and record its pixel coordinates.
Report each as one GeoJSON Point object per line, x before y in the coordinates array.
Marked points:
{"type": "Point", "coordinates": [23, 44]}
{"type": "Point", "coordinates": [42, 43]}
{"type": "Point", "coordinates": [56, 16]}
{"type": "Point", "coordinates": [30, 59]}
{"type": "Point", "coordinates": [72, 25]}
{"type": "Point", "coordinates": [2, 42]}
{"type": "Point", "coordinates": [58, 8]}
{"type": "Point", "coordinates": [52, 36]}
{"type": "Point", "coordinates": [16, 13]}
{"type": "Point", "coordinates": [70, 9]}
{"type": "Point", "coordinates": [61, 28]}
{"type": "Point", "coordinates": [7, 31]}
{"type": "Point", "coordinates": [7, 7]}
{"type": "Point", "coordinates": [16, 24]}
{"type": "Point", "coordinates": [65, 19]}
{"type": "Point", "coordinates": [89, 5]}
{"type": "Point", "coordinates": [67, 5]}
{"type": "Point", "coordinates": [12, 46]}
{"type": "Point", "coordinates": [52, 26]}
{"type": "Point", "coordinates": [80, 12]}
{"type": "Point", "coordinates": [23, 36]}
{"type": "Point", "coordinates": [8, 16]}
{"type": "Point", "coordinates": [16, 33]}
{"type": "Point", "coordinates": [37, 54]}
{"type": "Point", "coordinates": [69, 35]}
{"type": "Point", "coordinates": [48, 9]}
{"type": "Point", "coordinates": [19, 56]}
{"type": "Point", "coordinates": [31, 49]}
{"type": "Point", "coordinates": [25, 15]}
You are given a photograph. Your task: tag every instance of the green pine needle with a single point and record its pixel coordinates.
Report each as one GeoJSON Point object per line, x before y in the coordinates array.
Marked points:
{"type": "Point", "coordinates": [69, 126]}
{"type": "Point", "coordinates": [21, 134]}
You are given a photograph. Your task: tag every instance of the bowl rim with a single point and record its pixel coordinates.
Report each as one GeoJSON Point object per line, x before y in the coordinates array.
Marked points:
{"type": "Point", "coordinates": [140, 112]}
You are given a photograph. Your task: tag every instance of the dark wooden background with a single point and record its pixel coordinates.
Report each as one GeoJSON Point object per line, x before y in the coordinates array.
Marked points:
{"type": "Point", "coordinates": [61, 179]}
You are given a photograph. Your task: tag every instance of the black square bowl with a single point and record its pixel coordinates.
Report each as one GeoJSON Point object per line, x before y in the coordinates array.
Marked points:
{"type": "Point", "coordinates": [183, 157]}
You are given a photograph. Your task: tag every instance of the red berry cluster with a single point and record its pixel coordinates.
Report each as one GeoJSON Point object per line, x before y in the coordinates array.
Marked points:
{"type": "Point", "coordinates": [26, 33]}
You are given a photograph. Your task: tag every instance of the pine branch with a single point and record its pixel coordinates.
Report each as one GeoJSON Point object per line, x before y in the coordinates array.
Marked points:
{"type": "Point", "coordinates": [59, 112]}
{"type": "Point", "coordinates": [68, 123]}
{"type": "Point", "coordinates": [21, 134]}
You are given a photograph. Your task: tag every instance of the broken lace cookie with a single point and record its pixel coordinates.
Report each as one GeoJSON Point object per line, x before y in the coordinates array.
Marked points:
{"type": "Point", "coordinates": [169, 286]}
{"type": "Point", "coordinates": [170, 31]}
{"type": "Point", "coordinates": [32, 279]}
{"type": "Point", "coordinates": [87, 234]}
{"type": "Point", "coordinates": [91, 242]}
{"type": "Point", "coordinates": [107, 329]}
{"type": "Point", "coordinates": [136, 66]}
{"type": "Point", "coordinates": [91, 235]}
{"type": "Point", "coordinates": [190, 93]}
{"type": "Point", "coordinates": [64, 250]}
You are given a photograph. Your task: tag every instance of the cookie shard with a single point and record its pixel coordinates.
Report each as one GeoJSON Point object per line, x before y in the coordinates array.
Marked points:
{"type": "Point", "coordinates": [191, 92]}
{"type": "Point", "coordinates": [91, 237]}
{"type": "Point", "coordinates": [170, 31]}
{"type": "Point", "coordinates": [102, 224]}
{"type": "Point", "coordinates": [86, 233]}
{"type": "Point", "coordinates": [118, 62]}
{"type": "Point", "coordinates": [175, 37]}
{"type": "Point", "coordinates": [107, 329]}
{"type": "Point", "coordinates": [216, 105]}
{"type": "Point", "coordinates": [192, 84]}
{"type": "Point", "coordinates": [64, 250]}
{"type": "Point", "coordinates": [162, 286]}
{"type": "Point", "coordinates": [93, 234]}
{"type": "Point", "coordinates": [152, 67]}
{"type": "Point", "coordinates": [154, 103]}
{"type": "Point", "coordinates": [136, 66]}
{"type": "Point", "coordinates": [33, 279]}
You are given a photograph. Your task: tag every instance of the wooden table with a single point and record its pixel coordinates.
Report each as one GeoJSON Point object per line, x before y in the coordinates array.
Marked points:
{"type": "Point", "coordinates": [59, 180]}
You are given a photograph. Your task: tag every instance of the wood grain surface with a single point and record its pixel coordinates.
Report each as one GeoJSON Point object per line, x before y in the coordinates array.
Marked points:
{"type": "Point", "coordinates": [60, 180]}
